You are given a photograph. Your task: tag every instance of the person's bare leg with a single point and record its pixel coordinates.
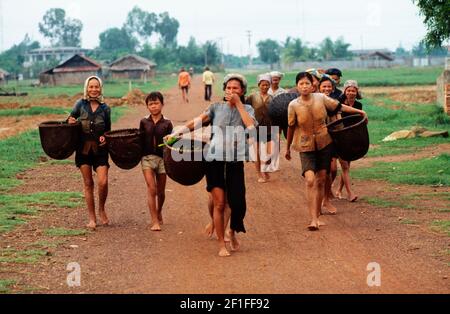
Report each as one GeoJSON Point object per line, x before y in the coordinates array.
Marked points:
{"type": "Point", "coordinates": [149, 176]}
{"type": "Point", "coordinates": [209, 229]}
{"type": "Point", "coordinates": [102, 181]}
{"type": "Point", "coordinates": [261, 176]}
{"type": "Point", "coordinates": [227, 217]}
{"type": "Point", "coordinates": [320, 182]}
{"type": "Point", "coordinates": [310, 197]}
{"type": "Point", "coordinates": [88, 182]}
{"type": "Point", "coordinates": [328, 195]}
{"type": "Point", "coordinates": [161, 180]}
{"type": "Point", "coordinates": [219, 207]}
{"type": "Point", "coordinates": [333, 174]}
{"type": "Point", "coordinates": [346, 178]}
{"type": "Point", "coordinates": [234, 243]}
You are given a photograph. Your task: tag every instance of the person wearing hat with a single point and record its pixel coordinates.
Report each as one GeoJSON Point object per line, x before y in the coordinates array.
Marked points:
{"type": "Point", "coordinates": [260, 101]}
{"type": "Point", "coordinates": [232, 121]}
{"type": "Point", "coordinates": [95, 118]}
{"type": "Point", "coordinates": [275, 88]}
{"type": "Point", "coordinates": [308, 134]}
{"type": "Point", "coordinates": [336, 75]}
{"type": "Point", "coordinates": [350, 97]}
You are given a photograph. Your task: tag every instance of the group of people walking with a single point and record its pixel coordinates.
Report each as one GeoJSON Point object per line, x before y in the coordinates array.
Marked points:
{"type": "Point", "coordinates": [317, 104]}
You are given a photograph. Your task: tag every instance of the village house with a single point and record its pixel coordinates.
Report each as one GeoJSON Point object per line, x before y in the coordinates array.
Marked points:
{"type": "Point", "coordinates": [132, 67]}
{"type": "Point", "coordinates": [72, 71]}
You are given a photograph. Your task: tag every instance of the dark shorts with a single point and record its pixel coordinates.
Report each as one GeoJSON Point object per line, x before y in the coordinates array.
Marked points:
{"type": "Point", "coordinates": [216, 174]}
{"type": "Point", "coordinates": [265, 137]}
{"type": "Point", "coordinates": [318, 160]}
{"type": "Point", "coordinates": [185, 88]}
{"type": "Point", "coordinates": [95, 161]}
{"type": "Point", "coordinates": [229, 176]}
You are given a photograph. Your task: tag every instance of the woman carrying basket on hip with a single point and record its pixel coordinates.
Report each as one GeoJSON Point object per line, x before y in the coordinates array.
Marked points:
{"type": "Point", "coordinates": [309, 135]}
{"type": "Point", "coordinates": [92, 154]}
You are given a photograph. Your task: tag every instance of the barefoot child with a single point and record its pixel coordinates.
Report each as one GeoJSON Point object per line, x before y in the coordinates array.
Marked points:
{"type": "Point", "coordinates": [308, 134]}
{"type": "Point", "coordinates": [95, 118]}
{"type": "Point", "coordinates": [153, 129]}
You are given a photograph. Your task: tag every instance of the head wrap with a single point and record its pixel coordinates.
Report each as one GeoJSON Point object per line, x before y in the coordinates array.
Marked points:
{"type": "Point", "coordinates": [352, 83]}
{"type": "Point", "coordinates": [265, 77]}
{"type": "Point", "coordinates": [100, 98]}
{"type": "Point", "coordinates": [235, 76]}
{"type": "Point", "coordinates": [276, 74]}
{"type": "Point", "coordinates": [315, 73]}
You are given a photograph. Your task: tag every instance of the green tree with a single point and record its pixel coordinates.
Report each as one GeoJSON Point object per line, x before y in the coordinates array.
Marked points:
{"type": "Point", "coordinates": [167, 27]}
{"type": "Point", "coordinates": [436, 13]}
{"type": "Point", "coordinates": [326, 49]}
{"type": "Point", "coordinates": [61, 31]}
{"type": "Point", "coordinates": [212, 54]}
{"type": "Point", "coordinates": [295, 50]}
{"type": "Point", "coordinates": [192, 54]}
{"type": "Point", "coordinates": [71, 34]}
{"type": "Point", "coordinates": [269, 51]}
{"type": "Point", "coordinates": [117, 39]}
{"type": "Point", "coordinates": [341, 49]}
{"type": "Point", "coordinates": [141, 24]}
{"type": "Point", "coordinates": [12, 59]}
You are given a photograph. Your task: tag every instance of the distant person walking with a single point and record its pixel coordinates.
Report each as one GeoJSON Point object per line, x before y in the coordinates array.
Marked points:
{"type": "Point", "coordinates": [208, 81]}
{"type": "Point", "coordinates": [184, 82]}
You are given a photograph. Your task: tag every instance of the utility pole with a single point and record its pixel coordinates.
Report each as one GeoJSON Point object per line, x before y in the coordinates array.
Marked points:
{"type": "Point", "coordinates": [249, 35]}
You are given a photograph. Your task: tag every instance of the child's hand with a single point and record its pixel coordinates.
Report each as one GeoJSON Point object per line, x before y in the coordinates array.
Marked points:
{"type": "Point", "coordinates": [288, 155]}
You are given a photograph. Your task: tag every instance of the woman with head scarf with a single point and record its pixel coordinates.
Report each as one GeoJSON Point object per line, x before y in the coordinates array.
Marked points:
{"type": "Point", "coordinates": [275, 79]}
{"type": "Point", "coordinates": [231, 121]}
{"type": "Point", "coordinates": [350, 97]}
{"type": "Point", "coordinates": [309, 135]}
{"type": "Point", "coordinates": [95, 118]}
{"type": "Point", "coordinates": [260, 101]}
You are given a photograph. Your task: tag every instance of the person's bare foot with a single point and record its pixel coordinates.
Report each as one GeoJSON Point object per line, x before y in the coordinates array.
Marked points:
{"type": "Point", "coordinates": [160, 219]}
{"type": "Point", "coordinates": [235, 245]}
{"type": "Point", "coordinates": [329, 209]}
{"type": "Point", "coordinates": [91, 225]}
{"type": "Point", "coordinates": [223, 252]}
{"type": "Point", "coordinates": [209, 230]}
{"type": "Point", "coordinates": [314, 226]}
{"type": "Point", "coordinates": [155, 227]}
{"type": "Point", "coordinates": [104, 218]}
{"type": "Point", "coordinates": [262, 180]}
{"type": "Point", "coordinates": [339, 195]}
{"type": "Point", "coordinates": [353, 198]}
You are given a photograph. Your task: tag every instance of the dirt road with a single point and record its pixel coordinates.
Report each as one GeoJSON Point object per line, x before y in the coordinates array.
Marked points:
{"type": "Point", "coordinates": [278, 254]}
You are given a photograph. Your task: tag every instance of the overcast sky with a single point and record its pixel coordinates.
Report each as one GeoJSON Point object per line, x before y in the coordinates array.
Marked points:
{"type": "Point", "coordinates": [364, 24]}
